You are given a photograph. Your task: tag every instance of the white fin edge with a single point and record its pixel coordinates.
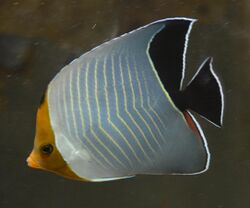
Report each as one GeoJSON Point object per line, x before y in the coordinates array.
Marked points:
{"type": "Point", "coordinates": [204, 143]}
{"type": "Point", "coordinates": [183, 56]}
{"type": "Point", "coordinates": [221, 91]}
{"type": "Point", "coordinates": [109, 179]}
{"type": "Point", "coordinates": [206, 148]}
{"type": "Point", "coordinates": [185, 52]}
{"type": "Point", "coordinates": [139, 28]}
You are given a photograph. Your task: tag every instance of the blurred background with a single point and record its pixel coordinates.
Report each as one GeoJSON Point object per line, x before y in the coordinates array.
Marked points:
{"type": "Point", "coordinates": [38, 37]}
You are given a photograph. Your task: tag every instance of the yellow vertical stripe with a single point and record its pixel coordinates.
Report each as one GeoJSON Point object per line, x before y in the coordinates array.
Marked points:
{"type": "Point", "coordinates": [82, 116]}
{"type": "Point", "coordinates": [72, 103]}
{"type": "Point", "coordinates": [142, 101]}
{"type": "Point", "coordinates": [118, 113]}
{"type": "Point", "coordinates": [126, 108]}
{"type": "Point", "coordinates": [91, 123]}
{"type": "Point", "coordinates": [149, 103]}
{"type": "Point", "coordinates": [65, 105]}
{"type": "Point", "coordinates": [136, 110]}
{"type": "Point", "coordinates": [99, 117]}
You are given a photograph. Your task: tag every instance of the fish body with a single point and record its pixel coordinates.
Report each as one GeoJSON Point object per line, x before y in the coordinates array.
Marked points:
{"type": "Point", "coordinates": [119, 110]}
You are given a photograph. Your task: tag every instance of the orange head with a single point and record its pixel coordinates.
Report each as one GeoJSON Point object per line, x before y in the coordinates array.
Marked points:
{"type": "Point", "coordinates": [45, 155]}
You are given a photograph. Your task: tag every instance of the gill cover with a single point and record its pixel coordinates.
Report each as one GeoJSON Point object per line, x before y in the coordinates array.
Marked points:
{"type": "Point", "coordinates": [40, 157]}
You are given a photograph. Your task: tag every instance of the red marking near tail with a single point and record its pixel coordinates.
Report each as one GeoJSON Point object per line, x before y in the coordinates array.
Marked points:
{"type": "Point", "coordinates": [191, 123]}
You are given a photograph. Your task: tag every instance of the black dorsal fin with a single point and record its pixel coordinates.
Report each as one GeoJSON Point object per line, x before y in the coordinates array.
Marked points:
{"type": "Point", "coordinates": [168, 53]}
{"type": "Point", "coordinates": [168, 50]}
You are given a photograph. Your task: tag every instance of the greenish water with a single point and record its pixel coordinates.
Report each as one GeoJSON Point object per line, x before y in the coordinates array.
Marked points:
{"type": "Point", "coordinates": [38, 37]}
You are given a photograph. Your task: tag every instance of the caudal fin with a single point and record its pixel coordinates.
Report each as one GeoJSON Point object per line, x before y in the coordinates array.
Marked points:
{"type": "Point", "coordinates": [204, 94]}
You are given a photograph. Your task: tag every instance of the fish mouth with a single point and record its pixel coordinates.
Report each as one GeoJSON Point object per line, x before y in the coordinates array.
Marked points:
{"type": "Point", "coordinates": [64, 171]}
{"type": "Point", "coordinates": [32, 163]}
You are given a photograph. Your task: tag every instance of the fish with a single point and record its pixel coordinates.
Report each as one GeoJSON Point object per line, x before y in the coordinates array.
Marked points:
{"type": "Point", "coordinates": [121, 110]}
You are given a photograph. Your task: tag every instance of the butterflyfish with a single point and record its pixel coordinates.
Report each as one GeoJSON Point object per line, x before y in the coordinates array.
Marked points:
{"type": "Point", "coordinates": [121, 109]}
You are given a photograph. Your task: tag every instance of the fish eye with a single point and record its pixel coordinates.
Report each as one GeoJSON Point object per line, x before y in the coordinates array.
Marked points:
{"type": "Point", "coordinates": [47, 149]}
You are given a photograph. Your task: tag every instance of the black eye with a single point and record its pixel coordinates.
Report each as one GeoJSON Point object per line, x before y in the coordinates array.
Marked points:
{"type": "Point", "coordinates": [47, 149]}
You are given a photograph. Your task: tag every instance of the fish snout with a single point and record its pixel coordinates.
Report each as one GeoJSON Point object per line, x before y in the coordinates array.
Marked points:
{"type": "Point", "coordinates": [31, 162]}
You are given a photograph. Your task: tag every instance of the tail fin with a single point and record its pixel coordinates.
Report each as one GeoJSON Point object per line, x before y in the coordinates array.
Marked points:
{"type": "Point", "coordinates": [204, 94]}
